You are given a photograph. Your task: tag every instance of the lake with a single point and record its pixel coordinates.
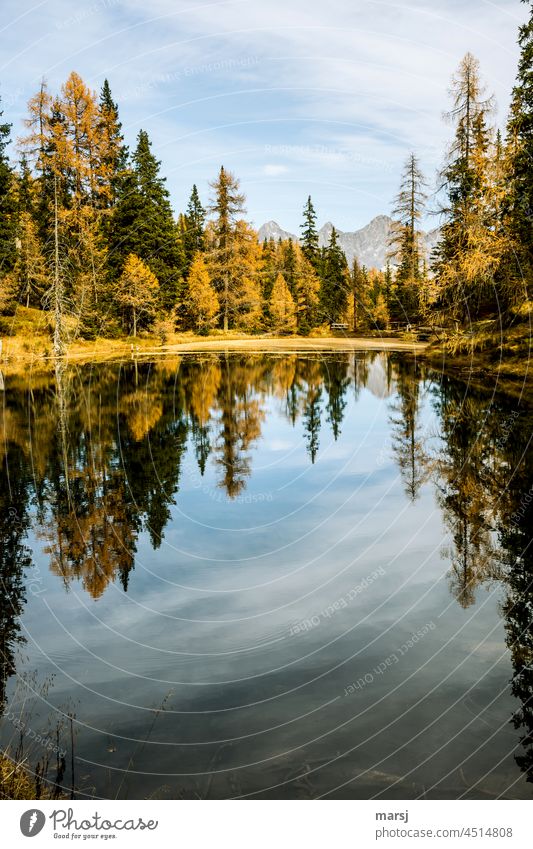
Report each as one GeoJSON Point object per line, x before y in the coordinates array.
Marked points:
{"type": "Point", "coordinates": [268, 576]}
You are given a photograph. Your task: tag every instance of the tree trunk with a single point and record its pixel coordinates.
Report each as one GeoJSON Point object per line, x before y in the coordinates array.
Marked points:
{"type": "Point", "coordinates": [58, 289]}
{"type": "Point", "coordinates": [226, 289]}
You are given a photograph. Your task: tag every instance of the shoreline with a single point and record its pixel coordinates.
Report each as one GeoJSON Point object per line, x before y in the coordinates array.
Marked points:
{"type": "Point", "coordinates": [475, 367]}
{"type": "Point", "coordinates": [16, 356]}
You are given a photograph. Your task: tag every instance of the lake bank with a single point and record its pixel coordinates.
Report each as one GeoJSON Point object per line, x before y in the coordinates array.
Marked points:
{"type": "Point", "coordinates": [19, 351]}
{"type": "Point", "coordinates": [471, 353]}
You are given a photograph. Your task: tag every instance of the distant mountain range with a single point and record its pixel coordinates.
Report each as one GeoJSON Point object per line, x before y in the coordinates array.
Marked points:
{"type": "Point", "coordinates": [370, 244]}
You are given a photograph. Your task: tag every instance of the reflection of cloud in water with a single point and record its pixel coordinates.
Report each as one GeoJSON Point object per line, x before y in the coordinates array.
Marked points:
{"type": "Point", "coordinates": [202, 603]}
{"type": "Point", "coordinates": [378, 382]}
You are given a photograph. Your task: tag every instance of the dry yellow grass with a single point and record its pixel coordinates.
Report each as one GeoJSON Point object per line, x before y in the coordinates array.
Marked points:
{"type": "Point", "coordinates": [15, 781]}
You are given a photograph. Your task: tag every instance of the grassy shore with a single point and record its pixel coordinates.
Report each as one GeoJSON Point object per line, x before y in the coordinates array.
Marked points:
{"type": "Point", "coordinates": [28, 342]}
{"type": "Point", "coordinates": [489, 355]}
{"type": "Point", "coordinates": [483, 351]}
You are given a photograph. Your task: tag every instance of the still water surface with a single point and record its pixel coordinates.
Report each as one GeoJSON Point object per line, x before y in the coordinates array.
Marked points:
{"type": "Point", "coordinates": [271, 576]}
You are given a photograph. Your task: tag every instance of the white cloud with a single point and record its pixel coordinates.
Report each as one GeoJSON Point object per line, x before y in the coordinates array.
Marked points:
{"type": "Point", "coordinates": [355, 83]}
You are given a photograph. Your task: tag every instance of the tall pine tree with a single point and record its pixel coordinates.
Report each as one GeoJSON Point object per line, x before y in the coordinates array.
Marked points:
{"type": "Point", "coordinates": [194, 233]}
{"type": "Point", "coordinates": [309, 238]}
{"type": "Point", "coordinates": [464, 272]}
{"type": "Point", "coordinates": [143, 223]}
{"type": "Point", "coordinates": [520, 147]}
{"type": "Point", "coordinates": [405, 240]}
{"type": "Point", "coordinates": [113, 151]}
{"type": "Point", "coordinates": [335, 282]}
{"type": "Point", "coordinates": [8, 253]}
{"type": "Point", "coordinates": [226, 206]}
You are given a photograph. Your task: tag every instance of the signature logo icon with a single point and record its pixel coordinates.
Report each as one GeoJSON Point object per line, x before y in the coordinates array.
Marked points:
{"type": "Point", "coordinates": [32, 822]}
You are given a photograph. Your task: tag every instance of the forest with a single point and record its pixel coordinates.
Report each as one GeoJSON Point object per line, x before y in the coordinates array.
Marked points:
{"type": "Point", "coordinates": [88, 236]}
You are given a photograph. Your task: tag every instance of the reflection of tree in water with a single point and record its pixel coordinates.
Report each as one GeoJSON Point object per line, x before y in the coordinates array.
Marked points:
{"type": "Point", "coordinates": [408, 445]}
{"type": "Point", "coordinates": [515, 529]}
{"type": "Point", "coordinates": [312, 408]}
{"type": "Point", "coordinates": [486, 465]}
{"type": "Point", "coordinates": [112, 469]}
{"type": "Point", "coordinates": [200, 381]}
{"type": "Point", "coordinates": [151, 458]}
{"type": "Point", "coordinates": [463, 477]}
{"type": "Point", "coordinates": [84, 514]}
{"type": "Point", "coordinates": [106, 466]}
{"type": "Point", "coordinates": [336, 383]}
{"type": "Point", "coordinates": [15, 557]}
{"type": "Point", "coordinates": [240, 422]}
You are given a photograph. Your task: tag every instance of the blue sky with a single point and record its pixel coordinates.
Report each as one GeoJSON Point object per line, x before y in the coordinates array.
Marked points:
{"type": "Point", "coordinates": [295, 97]}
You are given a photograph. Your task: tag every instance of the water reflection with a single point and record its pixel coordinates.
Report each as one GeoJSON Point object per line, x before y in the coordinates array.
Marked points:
{"type": "Point", "coordinates": [93, 460]}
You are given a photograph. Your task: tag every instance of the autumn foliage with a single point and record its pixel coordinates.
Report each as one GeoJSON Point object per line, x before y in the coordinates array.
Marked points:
{"type": "Point", "coordinates": [88, 218]}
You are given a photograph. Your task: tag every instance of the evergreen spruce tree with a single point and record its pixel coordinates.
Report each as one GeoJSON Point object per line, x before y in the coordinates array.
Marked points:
{"type": "Point", "coordinates": [38, 147]}
{"type": "Point", "coordinates": [226, 206]}
{"type": "Point", "coordinates": [307, 295]}
{"type": "Point", "coordinates": [8, 221]}
{"type": "Point", "coordinates": [309, 239]}
{"type": "Point", "coordinates": [25, 188]}
{"type": "Point", "coordinates": [194, 227]}
{"type": "Point", "coordinates": [113, 152]}
{"type": "Point", "coordinates": [143, 223]}
{"type": "Point", "coordinates": [405, 241]}
{"type": "Point", "coordinates": [359, 283]}
{"type": "Point", "coordinates": [289, 268]}
{"type": "Point", "coordinates": [335, 285]}
{"type": "Point", "coordinates": [520, 147]}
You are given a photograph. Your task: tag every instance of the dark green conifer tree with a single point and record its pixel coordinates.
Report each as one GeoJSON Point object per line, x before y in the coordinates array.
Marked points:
{"type": "Point", "coordinates": [359, 283]}
{"type": "Point", "coordinates": [334, 284]}
{"type": "Point", "coordinates": [269, 271]}
{"type": "Point", "coordinates": [289, 266]}
{"type": "Point", "coordinates": [310, 235]}
{"type": "Point", "coordinates": [193, 238]}
{"type": "Point", "coordinates": [25, 200]}
{"type": "Point", "coordinates": [114, 152]}
{"type": "Point", "coordinates": [520, 145]}
{"type": "Point", "coordinates": [336, 383]}
{"type": "Point", "coordinates": [312, 420]}
{"type": "Point", "coordinates": [143, 223]}
{"type": "Point", "coordinates": [8, 218]}
{"type": "Point", "coordinates": [405, 241]}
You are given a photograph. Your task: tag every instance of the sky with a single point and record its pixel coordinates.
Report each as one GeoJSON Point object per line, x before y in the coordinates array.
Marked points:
{"type": "Point", "coordinates": [296, 97]}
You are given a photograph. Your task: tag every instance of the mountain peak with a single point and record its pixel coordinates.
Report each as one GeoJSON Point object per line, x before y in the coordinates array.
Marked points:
{"type": "Point", "coordinates": [369, 245]}
{"type": "Point", "coordinates": [272, 230]}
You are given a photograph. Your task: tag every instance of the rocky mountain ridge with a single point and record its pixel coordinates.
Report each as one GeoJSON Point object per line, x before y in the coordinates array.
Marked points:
{"type": "Point", "coordinates": [370, 244]}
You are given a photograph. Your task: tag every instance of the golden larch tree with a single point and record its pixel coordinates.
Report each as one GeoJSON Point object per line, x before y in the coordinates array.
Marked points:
{"type": "Point", "coordinates": [137, 293]}
{"type": "Point", "coordinates": [282, 308]}
{"type": "Point", "coordinates": [201, 300]}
